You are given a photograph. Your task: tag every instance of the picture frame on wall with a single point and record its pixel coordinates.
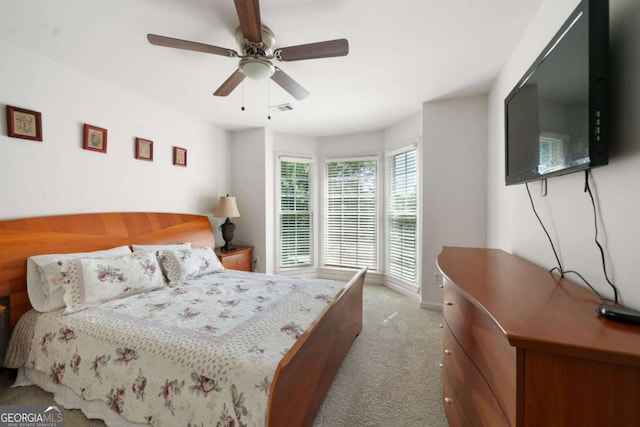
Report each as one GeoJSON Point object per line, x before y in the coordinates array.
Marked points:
{"type": "Point", "coordinates": [144, 149]}
{"type": "Point", "coordinates": [25, 124]}
{"type": "Point", "coordinates": [95, 138]}
{"type": "Point", "coordinates": [179, 156]}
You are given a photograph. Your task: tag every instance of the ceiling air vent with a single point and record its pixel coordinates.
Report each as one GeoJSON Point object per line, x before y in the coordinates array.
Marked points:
{"type": "Point", "coordinates": [281, 108]}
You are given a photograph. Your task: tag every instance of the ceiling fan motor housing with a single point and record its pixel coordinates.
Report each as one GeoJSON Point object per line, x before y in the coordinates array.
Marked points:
{"type": "Point", "coordinates": [264, 48]}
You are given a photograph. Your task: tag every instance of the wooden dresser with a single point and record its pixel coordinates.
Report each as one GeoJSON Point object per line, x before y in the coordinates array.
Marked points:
{"type": "Point", "coordinates": [239, 258]}
{"type": "Point", "coordinates": [523, 347]}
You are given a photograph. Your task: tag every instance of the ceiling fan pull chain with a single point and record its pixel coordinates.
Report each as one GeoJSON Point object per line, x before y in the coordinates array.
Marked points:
{"type": "Point", "coordinates": [242, 108]}
{"type": "Point", "coordinates": [268, 99]}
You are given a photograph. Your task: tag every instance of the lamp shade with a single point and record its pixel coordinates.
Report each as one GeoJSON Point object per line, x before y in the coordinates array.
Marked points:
{"type": "Point", "coordinates": [226, 208]}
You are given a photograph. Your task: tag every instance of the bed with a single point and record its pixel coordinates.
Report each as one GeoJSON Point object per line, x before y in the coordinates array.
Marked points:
{"type": "Point", "coordinates": [303, 372]}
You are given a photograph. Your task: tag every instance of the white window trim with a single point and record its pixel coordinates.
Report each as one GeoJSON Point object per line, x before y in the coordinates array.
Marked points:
{"type": "Point", "coordinates": [394, 281]}
{"type": "Point", "coordinates": [379, 209]}
{"type": "Point", "coordinates": [313, 175]}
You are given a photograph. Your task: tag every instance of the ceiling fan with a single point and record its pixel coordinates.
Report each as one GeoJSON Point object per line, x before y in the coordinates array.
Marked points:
{"type": "Point", "coordinates": [257, 44]}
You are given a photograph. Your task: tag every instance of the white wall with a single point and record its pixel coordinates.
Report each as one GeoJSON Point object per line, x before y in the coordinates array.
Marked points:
{"type": "Point", "coordinates": [295, 144]}
{"type": "Point", "coordinates": [566, 211]}
{"type": "Point", "coordinates": [404, 133]}
{"type": "Point", "coordinates": [57, 176]}
{"type": "Point", "coordinates": [351, 145]}
{"type": "Point", "coordinates": [252, 185]}
{"type": "Point", "coordinates": [454, 187]}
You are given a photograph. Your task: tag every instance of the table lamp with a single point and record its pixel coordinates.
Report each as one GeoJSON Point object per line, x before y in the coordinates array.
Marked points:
{"type": "Point", "coordinates": [228, 208]}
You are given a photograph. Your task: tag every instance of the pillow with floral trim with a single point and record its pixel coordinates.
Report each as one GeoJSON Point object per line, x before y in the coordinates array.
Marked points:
{"type": "Point", "coordinates": [184, 264]}
{"type": "Point", "coordinates": [42, 295]}
{"type": "Point", "coordinates": [88, 281]}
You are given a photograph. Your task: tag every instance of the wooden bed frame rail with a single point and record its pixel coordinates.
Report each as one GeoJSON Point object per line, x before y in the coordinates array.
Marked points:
{"type": "Point", "coordinates": [305, 373]}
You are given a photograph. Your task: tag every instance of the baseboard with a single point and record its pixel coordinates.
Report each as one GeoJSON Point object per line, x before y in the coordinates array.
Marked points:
{"type": "Point", "coordinates": [403, 291]}
{"type": "Point", "coordinates": [431, 306]}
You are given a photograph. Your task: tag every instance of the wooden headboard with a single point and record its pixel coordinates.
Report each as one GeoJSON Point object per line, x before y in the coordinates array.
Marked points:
{"type": "Point", "coordinates": [22, 238]}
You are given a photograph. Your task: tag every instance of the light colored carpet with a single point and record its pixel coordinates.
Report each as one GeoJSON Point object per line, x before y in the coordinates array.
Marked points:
{"type": "Point", "coordinates": [390, 376]}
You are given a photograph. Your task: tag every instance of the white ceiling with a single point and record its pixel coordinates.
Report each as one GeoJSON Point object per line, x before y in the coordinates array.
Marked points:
{"type": "Point", "coordinates": [402, 53]}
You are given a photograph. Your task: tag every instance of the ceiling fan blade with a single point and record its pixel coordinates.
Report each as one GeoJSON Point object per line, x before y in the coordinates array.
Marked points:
{"type": "Point", "coordinates": [330, 48]}
{"type": "Point", "coordinates": [187, 45]}
{"type": "Point", "coordinates": [290, 85]}
{"type": "Point", "coordinates": [230, 84]}
{"type": "Point", "coordinates": [249, 17]}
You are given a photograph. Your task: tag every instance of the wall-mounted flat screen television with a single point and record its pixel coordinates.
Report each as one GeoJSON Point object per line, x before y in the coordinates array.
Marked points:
{"type": "Point", "coordinates": [556, 116]}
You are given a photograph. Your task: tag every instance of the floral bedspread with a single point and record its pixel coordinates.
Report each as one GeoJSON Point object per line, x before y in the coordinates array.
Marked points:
{"type": "Point", "coordinates": [197, 354]}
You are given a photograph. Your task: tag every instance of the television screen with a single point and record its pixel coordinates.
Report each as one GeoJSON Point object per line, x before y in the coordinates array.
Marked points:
{"type": "Point", "coordinates": [555, 117]}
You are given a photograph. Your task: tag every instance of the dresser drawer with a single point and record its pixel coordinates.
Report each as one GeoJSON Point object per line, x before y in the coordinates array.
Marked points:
{"type": "Point", "coordinates": [456, 416]}
{"type": "Point", "coordinates": [476, 398]}
{"type": "Point", "coordinates": [485, 343]}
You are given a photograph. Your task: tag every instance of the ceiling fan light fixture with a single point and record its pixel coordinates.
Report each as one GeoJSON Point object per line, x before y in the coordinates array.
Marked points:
{"type": "Point", "coordinates": [257, 68]}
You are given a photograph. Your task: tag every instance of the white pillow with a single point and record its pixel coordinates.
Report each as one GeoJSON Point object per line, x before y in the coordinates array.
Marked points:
{"type": "Point", "coordinates": [88, 281]}
{"type": "Point", "coordinates": [188, 263]}
{"type": "Point", "coordinates": [155, 248]}
{"type": "Point", "coordinates": [45, 298]}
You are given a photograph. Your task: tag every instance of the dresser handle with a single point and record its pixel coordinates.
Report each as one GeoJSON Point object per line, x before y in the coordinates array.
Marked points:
{"type": "Point", "coordinates": [441, 365]}
{"type": "Point", "coordinates": [440, 326]}
{"type": "Point", "coordinates": [447, 352]}
{"type": "Point", "coordinates": [441, 286]}
{"type": "Point", "coordinates": [448, 400]}
{"type": "Point", "coordinates": [448, 303]}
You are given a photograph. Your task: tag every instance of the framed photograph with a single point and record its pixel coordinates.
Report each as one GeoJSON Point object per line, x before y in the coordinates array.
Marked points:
{"type": "Point", "coordinates": [95, 138]}
{"type": "Point", "coordinates": [144, 149]}
{"type": "Point", "coordinates": [25, 124]}
{"type": "Point", "coordinates": [179, 156]}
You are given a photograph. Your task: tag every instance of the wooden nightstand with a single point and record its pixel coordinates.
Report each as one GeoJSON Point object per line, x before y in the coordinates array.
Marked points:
{"type": "Point", "coordinates": [240, 258]}
{"type": "Point", "coordinates": [4, 333]}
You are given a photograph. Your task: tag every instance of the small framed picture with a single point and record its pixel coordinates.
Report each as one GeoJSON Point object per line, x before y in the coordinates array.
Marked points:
{"type": "Point", "coordinates": [95, 138]}
{"type": "Point", "coordinates": [144, 149]}
{"type": "Point", "coordinates": [25, 124]}
{"type": "Point", "coordinates": [179, 156]}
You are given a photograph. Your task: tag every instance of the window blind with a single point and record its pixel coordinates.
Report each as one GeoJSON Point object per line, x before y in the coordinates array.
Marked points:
{"type": "Point", "coordinates": [402, 214]}
{"type": "Point", "coordinates": [351, 231]}
{"type": "Point", "coordinates": [296, 213]}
